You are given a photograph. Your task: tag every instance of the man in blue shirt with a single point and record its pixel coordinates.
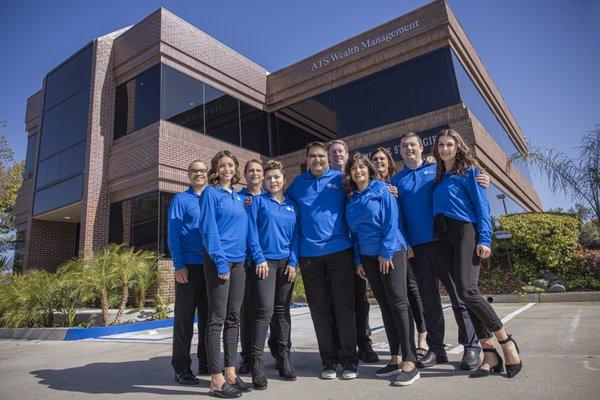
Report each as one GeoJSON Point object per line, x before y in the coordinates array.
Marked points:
{"type": "Point", "coordinates": [415, 184]}
{"type": "Point", "coordinates": [326, 259]}
{"type": "Point", "coordinates": [185, 245]}
{"type": "Point", "coordinates": [338, 156]}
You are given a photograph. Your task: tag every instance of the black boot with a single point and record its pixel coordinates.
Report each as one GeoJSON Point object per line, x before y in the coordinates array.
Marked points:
{"type": "Point", "coordinates": [259, 380]}
{"type": "Point", "coordinates": [285, 366]}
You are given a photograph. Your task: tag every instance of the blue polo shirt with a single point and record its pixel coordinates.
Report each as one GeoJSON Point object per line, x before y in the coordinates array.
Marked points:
{"type": "Point", "coordinates": [183, 237]}
{"type": "Point", "coordinates": [321, 202]}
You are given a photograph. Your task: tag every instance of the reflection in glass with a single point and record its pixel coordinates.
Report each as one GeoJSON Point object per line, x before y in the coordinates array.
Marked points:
{"type": "Point", "coordinates": [30, 157]}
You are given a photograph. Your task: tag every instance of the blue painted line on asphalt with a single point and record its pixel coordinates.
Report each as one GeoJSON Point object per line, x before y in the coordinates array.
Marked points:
{"type": "Point", "coordinates": [96, 332]}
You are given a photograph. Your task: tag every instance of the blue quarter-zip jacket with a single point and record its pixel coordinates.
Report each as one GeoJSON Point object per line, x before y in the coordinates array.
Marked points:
{"type": "Point", "coordinates": [245, 194]}
{"type": "Point", "coordinates": [373, 217]}
{"type": "Point", "coordinates": [184, 238]}
{"type": "Point", "coordinates": [273, 232]}
{"type": "Point", "coordinates": [224, 226]}
{"type": "Point", "coordinates": [459, 196]}
{"type": "Point", "coordinates": [321, 203]}
{"type": "Point", "coordinates": [415, 194]}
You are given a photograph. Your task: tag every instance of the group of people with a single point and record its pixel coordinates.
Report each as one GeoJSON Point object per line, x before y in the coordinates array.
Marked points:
{"type": "Point", "coordinates": [343, 222]}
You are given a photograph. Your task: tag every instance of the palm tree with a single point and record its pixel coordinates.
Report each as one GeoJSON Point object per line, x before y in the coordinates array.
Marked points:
{"type": "Point", "coordinates": [145, 277]}
{"type": "Point", "coordinates": [578, 178]}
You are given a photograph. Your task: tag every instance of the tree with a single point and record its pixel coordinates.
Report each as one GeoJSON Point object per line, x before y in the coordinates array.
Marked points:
{"type": "Point", "coordinates": [579, 178]}
{"type": "Point", "coordinates": [11, 177]}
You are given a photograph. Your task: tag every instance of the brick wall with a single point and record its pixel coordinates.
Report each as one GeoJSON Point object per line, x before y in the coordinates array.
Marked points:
{"type": "Point", "coordinates": [50, 244]}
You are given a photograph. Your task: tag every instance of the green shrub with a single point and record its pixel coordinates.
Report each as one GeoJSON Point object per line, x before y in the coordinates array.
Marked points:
{"type": "Point", "coordinates": [590, 235]}
{"type": "Point", "coordinates": [298, 295]}
{"type": "Point", "coordinates": [540, 241]}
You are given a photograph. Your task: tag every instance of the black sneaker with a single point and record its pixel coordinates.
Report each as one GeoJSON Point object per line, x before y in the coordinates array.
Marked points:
{"type": "Point", "coordinates": [259, 380]}
{"type": "Point", "coordinates": [245, 366]}
{"type": "Point", "coordinates": [227, 391]}
{"type": "Point", "coordinates": [441, 358]}
{"type": "Point", "coordinates": [242, 386]}
{"type": "Point", "coordinates": [405, 378]}
{"type": "Point", "coordinates": [388, 370]}
{"type": "Point", "coordinates": [350, 372]}
{"type": "Point", "coordinates": [186, 377]}
{"type": "Point", "coordinates": [470, 360]}
{"type": "Point", "coordinates": [328, 371]}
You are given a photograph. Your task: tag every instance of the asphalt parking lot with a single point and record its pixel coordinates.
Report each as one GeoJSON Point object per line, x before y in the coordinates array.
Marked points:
{"type": "Point", "coordinates": [560, 345]}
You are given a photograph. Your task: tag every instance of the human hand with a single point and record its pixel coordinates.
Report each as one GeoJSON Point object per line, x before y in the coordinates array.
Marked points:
{"type": "Point", "coordinates": [393, 190]}
{"type": "Point", "coordinates": [483, 251]}
{"type": "Point", "coordinates": [291, 273]}
{"type": "Point", "coordinates": [483, 180]}
{"type": "Point", "coordinates": [262, 270]}
{"type": "Point", "coordinates": [360, 271]}
{"type": "Point", "coordinates": [410, 253]}
{"type": "Point", "coordinates": [224, 277]}
{"type": "Point", "coordinates": [385, 265]}
{"type": "Point", "coordinates": [181, 275]}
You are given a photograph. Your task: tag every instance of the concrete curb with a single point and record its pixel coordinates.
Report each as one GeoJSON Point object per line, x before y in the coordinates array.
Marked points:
{"type": "Point", "coordinates": [65, 334]}
{"type": "Point", "coordinates": [567, 297]}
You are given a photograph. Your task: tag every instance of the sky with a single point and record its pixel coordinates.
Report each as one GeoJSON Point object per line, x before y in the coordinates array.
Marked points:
{"type": "Point", "coordinates": [543, 55]}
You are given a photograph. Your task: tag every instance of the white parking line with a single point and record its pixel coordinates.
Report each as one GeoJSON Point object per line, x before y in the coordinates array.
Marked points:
{"type": "Point", "coordinates": [573, 327]}
{"type": "Point", "coordinates": [459, 349]}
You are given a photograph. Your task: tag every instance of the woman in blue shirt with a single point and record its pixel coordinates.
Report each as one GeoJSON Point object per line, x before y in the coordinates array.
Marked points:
{"type": "Point", "coordinates": [224, 226]}
{"type": "Point", "coordinates": [385, 168]}
{"type": "Point", "coordinates": [380, 256]}
{"type": "Point", "coordinates": [273, 243]}
{"type": "Point", "coordinates": [462, 220]}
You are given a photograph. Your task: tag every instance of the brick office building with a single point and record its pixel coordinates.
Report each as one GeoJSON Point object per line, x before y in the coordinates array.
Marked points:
{"type": "Point", "coordinates": [114, 127]}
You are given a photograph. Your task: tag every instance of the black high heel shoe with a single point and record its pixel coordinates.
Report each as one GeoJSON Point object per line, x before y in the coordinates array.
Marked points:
{"type": "Point", "coordinates": [512, 369]}
{"type": "Point", "coordinates": [497, 369]}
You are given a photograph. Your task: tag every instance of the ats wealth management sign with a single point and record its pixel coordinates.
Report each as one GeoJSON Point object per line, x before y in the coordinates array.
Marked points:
{"type": "Point", "coordinates": [363, 45]}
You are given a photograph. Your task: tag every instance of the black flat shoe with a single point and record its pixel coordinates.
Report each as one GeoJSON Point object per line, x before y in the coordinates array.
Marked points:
{"type": "Point", "coordinates": [242, 386]}
{"type": "Point", "coordinates": [512, 369]}
{"type": "Point", "coordinates": [470, 359]}
{"type": "Point", "coordinates": [482, 373]}
{"type": "Point", "coordinates": [426, 359]}
{"type": "Point", "coordinates": [186, 377]}
{"type": "Point", "coordinates": [227, 391]}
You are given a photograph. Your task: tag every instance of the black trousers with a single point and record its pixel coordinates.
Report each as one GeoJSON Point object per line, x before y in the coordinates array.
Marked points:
{"type": "Point", "coordinates": [462, 240]}
{"type": "Point", "coordinates": [247, 322]}
{"type": "Point", "coordinates": [361, 310]}
{"type": "Point", "coordinates": [329, 282]}
{"type": "Point", "coordinates": [189, 297]}
{"type": "Point", "coordinates": [224, 302]}
{"type": "Point", "coordinates": [414, 299]}
{"type": "Point", "coordinates": [432, 262]}
{"type": "Point", "coordinates": [391, 293]}
{"type": "Point", "coordinates": [272, 297]}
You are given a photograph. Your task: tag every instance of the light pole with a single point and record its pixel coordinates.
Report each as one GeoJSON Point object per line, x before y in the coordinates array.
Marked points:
{"type": "Point", "coordinates": [502, 196]}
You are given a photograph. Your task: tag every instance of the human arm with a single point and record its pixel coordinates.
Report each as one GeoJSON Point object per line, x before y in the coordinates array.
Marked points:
{"type": "Point", "coordinates": [210, 232]}
{"type": "Point", "coordinates": [481, 206]}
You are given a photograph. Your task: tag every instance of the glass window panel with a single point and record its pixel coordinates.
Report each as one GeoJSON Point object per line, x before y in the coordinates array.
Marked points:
{"type": "Point", "coordinates": [255, 129]}
{"type": "Point", "coordinates": [182, 99]}
{"type": "Point", "coordinates": [473, 99]}
{"type": "Point", "coordinates": [115, 223]}
{"type": "Point", "coordinates": [124, 109]}
{"type": "Point", "coordinates": [496, 205]}
{"type": "Point", "coordinates": [32, 142]}
{"type": "Point", "coordinates": [59, 195]}
{"type": "Point", "coordinates": [165, 201]}
{"type": "Point", "coordinates": [289, 137]}
{"type": "Point", "coordinates": [221, 115]}
{"type": "Point", "coordinates": [147, 97]}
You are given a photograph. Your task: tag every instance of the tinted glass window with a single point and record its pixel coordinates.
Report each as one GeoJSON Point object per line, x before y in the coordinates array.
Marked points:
{"type": "Point", "coordinates": [473, 99]}
{"type": "Point", "coordinates": [165, 202]}
{"type": "Point", "coordinates": [288, 137]}
{"type": "Point", "coordinates": [115, 223]}
{"type": "Point", "coordinates": [415, 87]}
{"type": "Point", "coordinates": [144, 222]}
{"type": "Point", "coordinates": [64, 164]}
{"type": "Point", "coordinates": [221, 113]}
{"type": "Point", "coordinates": [61, 194]}
{"type": "Point", "coordinates": [255, 129]}
{"type": "Point", "coordinates": [30, 158]}
{"type": "Point", "coordinates": [147, 97]}
{"type": "Point", "coordinates": [496, 204]}
{"type": "Point", "coordinates": [182, 99]}
{"type": "Point", "coordinates": [69, 78]}
{"type": "Point", "coordinates": [124, 109]}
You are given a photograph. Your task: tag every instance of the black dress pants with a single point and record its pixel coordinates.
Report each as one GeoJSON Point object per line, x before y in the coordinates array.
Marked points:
{"type": "Point", "coordinates": [247, 322]}
{"type": "Point", "coordinates": [329, 282]}
{"type": "Point", "coordinates": [462, 240]}
{"type": "Point", "coordinates": [189, 297]}
{"type": "Point", "coordinates": [432, 262]}
{"type": "Point", "coordinates": [414, 299]}
{"type": "Point", "coordinates": [391, 293]}
{"type": "Point", "coordinates": [224, 302]}
{"type": "Point", "coordinates": [272, 296]}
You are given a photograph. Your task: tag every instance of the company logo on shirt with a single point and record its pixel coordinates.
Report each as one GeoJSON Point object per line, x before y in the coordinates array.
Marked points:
{"type": "Point", "coordinates": [332, 186]}
{"type": "Point", "coordinates": [428, 172]}
{"type": "Point", "coordinates": [239, 198]}
{"type": "Point", "coordinates": [289, 208]}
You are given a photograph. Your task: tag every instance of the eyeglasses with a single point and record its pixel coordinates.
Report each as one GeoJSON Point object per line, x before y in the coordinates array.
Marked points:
{"type": "Point", "coordinates": [197, 171]}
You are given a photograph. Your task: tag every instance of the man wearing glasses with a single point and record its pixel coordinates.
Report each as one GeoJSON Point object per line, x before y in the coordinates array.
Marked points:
{"type": "Point", "coordinates": [190, 286]}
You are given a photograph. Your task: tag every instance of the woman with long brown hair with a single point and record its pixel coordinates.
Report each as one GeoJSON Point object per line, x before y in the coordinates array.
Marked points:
{"type": "Point", "coordinates": [386, 168]}
{"type": "Point", "coordinates": [462, 220]}
{"type": "Point", "coordinates": [224, 225]}
{"type": "Point", "coordinates": [380, 256]}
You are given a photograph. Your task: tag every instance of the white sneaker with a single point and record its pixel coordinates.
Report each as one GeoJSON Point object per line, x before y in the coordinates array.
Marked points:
{"type": "Point", "coordinates": [328, 372]}
{"type": "Point", "coordinates": [350, 372]}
